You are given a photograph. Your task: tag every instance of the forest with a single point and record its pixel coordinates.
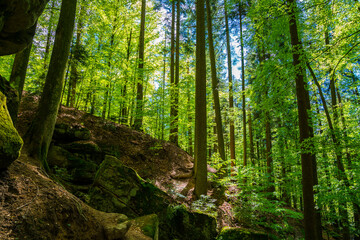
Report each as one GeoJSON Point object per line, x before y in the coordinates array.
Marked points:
{"type": "Point", "coordinates": [263, 95]}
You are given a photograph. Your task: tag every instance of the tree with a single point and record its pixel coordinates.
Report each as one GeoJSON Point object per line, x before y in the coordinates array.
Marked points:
{"type": "Point", "coordinates": [311, 231]}
{"type": "Point", "coordinates": [215, 84]}
{"type": "Point", "coordinates": [231, 96]}
{"type": "Point", "coordinates": [139, 96]}
{"type": "Point", "coordinates": [200, 104]}
{"type": "Point", "coordinates": [38, 136]}
{"type": "Point", "coordinates": [17, 78]}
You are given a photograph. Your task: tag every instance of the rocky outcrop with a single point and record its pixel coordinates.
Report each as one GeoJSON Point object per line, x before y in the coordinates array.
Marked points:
{"type": "Point", "coordinates": [118, 188]}
{"type": "Point", "coordinates": [18, 23]}
{"type": "Point", "coordinates": [233, 233]}
{"type": "Point", "coordinates": [10, 141]}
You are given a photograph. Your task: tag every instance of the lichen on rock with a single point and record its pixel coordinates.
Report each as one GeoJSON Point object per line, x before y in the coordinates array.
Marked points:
{"type": "Point", "coordinates": [10, 141]}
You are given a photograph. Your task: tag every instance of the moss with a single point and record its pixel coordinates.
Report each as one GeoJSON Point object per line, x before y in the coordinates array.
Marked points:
{"type": "Point", "coordinates": [228, 233]}
{"type": "Point", "coordinates": [185, 224]}
{"type": "Point", "coordinates": [10, 141]}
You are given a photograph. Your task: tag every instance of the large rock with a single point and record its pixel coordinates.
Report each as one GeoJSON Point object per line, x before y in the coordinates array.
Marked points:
{"type": "Point", "coordinates": [17, 23]}
{"type": "Point", "coordinates": [67, 133]}
{"type": "Point", "coordinates": [187, 225]}
{"type": "Point", "coordinates": [118, 188]}
{"type": "Point", "coordinates": [10, 141]}
{"type": "Point", "coordinates": [71, 167]}
{"type": "Point", "coordinates": [143, 228]}
{"type": "Point", "coordinates": [233, 233]}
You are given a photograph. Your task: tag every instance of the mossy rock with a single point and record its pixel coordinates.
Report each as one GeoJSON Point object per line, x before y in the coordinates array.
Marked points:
{"type": "Point", "coordinates": [10, 140]}
{"type": "Point", "coordinates": [145, 227]}
{"type": "Point", "coordinates": [187, 225]}
{"type": "Point", "coordinates": [118, 188]}
{"type": "Point", "coordinates": [67, 133]}
{"type": "Point", "coordinates": [87, 150]}
{"type": "Point", "coordinates": [229, 233]}
{"type": "Point", "coordinates": [70, 167]}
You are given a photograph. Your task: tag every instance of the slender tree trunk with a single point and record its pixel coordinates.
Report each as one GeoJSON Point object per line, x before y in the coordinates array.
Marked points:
{"type": "Point", "coordinates": [200, 104]}
{"type": "Point", "coordinates": [251, 139]}
{"type": "Point", "coordinates": [74, 74]}
{"type": "Point", "coordinates": [139, 95]}
{"type": "Point", "coordinates": [123, 108]}
{"type": "Point", "coordinates": [215, 85]}
{"type": "Point", "coordinates": [173, 131]}
{"type": "Point", "coordinates": [40, 133]}
{"type": "Point", "coordinates": [269, 158]}
{"type": "Point", "coordinates": [17, 78]}
{"type": "Point", "coordinates": [243, 88]}
{"type": "Point", "coordinates": [311, 233]}
{"type": "Point", "coordinates": [231, 97]}
{"type": "Point", "coordinates": [174, 136]}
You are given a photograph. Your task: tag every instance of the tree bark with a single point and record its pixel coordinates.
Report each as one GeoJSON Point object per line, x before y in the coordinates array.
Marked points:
{"type": "Point", "coordinates": [39, 135]}
{"type": "Point", "coordinates": [200, 103]}
{"type": "Point", "coordinates": [243, 87]}
{"type": "Point", "coordinates": [311, 233]}
{"type": "Point", "coordinates": [231, 97]}
{"type": "Point", "coordinates": [139, 95]}
{"type": "Point", "coordinates": [17, 78]}
{"type": "Point", "coordinates": [215, 85]}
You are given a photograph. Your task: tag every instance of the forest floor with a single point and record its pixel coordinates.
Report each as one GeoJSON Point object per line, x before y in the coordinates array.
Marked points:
{"type": "Point", "coordinates": [26, 190]}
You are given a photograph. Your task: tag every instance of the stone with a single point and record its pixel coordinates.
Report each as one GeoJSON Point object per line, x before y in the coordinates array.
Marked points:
{"type": "Point", "coordinates": [67, 133]}
{"type": "Point", "coordinates": [143, 228]}
{"type": "Point", "coordinates": [234, 233]}
{"type": "Point", "coordinates": [118, 188]}
{"type": "Point", "coordinates": [10, 140]}
{"type": "Point", "coordinates": [57, 156]}
{"type": "Point", "coordinates": [18, 24]}
{"type": "Point", "coordinates": [70, 167]}
{"type": "Point", "coordinates": [187, 225]}
{"type": "Point", "coordinates": [115, 225]}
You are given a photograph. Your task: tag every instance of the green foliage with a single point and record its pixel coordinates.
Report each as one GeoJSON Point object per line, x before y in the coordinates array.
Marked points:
{"type": "Point", "coordinates": [255, 209]}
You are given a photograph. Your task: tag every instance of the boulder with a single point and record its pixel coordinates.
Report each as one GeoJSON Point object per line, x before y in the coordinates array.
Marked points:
{"type": "Point", "coordinates": [18, 23]}
{"type": "Point", "coordinates": [118, 188]}
{"type": "Point", "coordinates": [67, 133]}
{"type": "Point", "coordinates": [10, 141]}
{"type": "Point", "coordinates": [187, 225]}
{"type": "Point", "coordinates": [233, 233]}
{"type": "Point", "coordinates": [71, 167]}
{"type": "Point", "coordinates": [143, 228]}
{"type": "Point", "coordinates": [87, 150]}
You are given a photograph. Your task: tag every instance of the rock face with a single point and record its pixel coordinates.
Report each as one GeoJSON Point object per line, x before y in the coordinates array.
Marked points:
{"type": "Point", "coordinates": [228, 233]}
{"type": "Point", "coordinates": [17, 23]}
{"type": "Point", "coordinates": [118, 188]}
{"type": "Point", "coordinates": [10, 141]}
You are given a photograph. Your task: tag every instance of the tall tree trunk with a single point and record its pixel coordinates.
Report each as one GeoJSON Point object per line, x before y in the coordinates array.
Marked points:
{"type": "Point", "coordinates": [39, 135]}
{"type": "Point", "coordinates": [311, 231]}
{"type": "Point", "coordinates": [139, 94]}
{"type": "Point", "coordinates": [215, 85]}
{"type": "Point", "coordinates": [74, 74]}
{"type": "Point", "coordinates": [200, 103]}
{"type": "Point", "coordinates": [124, 103]}
{"type": "Point", "coordinates": [243, 87]}
{"type": "Point", "coordinates": [173, 130]}
{"type": "Point", "coordinates": [174, 136]}
{"type": "Point", "coordinates": [251, 139]}
{"type": "Point", "coordinates": [17, 78]}
{"type": "Point", "coordinates": [231, 97]}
